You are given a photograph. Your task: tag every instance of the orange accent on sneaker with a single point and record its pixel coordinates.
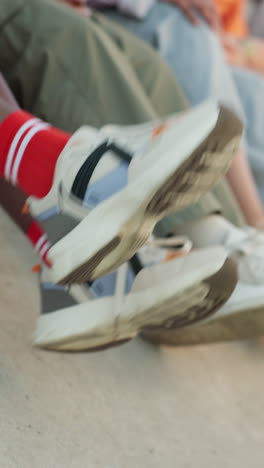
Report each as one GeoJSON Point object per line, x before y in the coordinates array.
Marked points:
{"type": "Point", "coordinates": [25, 209]}
{"type": "Point", "coordinates": [174, 254]}
{"type": "Point", "coordinates": [159, 130]}
{"type": "Point", "coordinates": [36, 268]}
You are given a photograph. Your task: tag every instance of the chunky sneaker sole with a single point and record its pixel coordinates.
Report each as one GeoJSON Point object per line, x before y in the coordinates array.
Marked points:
{"type": "Point", "coordinates": [118, 227]}
{"type": "Point", "coordinates": [242, 318]}
{"type": "Point", "coordinates": [161, 295]}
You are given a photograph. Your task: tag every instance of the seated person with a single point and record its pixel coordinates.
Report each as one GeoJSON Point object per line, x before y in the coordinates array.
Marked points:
{"type": "Point", "coordinates": [132, 93]}
{"type": "Point", "coordinates": [105, 205]}
{"type": "Point", "coordinates": [72, 318]}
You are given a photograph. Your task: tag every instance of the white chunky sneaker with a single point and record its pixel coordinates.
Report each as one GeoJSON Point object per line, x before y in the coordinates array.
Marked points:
{"type": "Point", "coordinates": [242, 317]}
{"type": "Point", "coordinates": [245, 244]}
{"type": "Point", "coordinates": [122, 202]}
{"type": "Point", "coordinates": [117, 307]}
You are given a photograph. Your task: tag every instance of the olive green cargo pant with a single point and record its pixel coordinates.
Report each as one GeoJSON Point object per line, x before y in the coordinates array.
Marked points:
{"type": "Point", "coordinates": [72, 70]}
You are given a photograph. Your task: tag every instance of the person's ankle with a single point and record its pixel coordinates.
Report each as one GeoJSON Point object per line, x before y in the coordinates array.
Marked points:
{"type": "Point", "coordinates": [259, 223]}
{"type": "Point", "coordinates": [6, 109]}
{"type": "Point", "coordinates": [256, 221]}
{"type": "Point", "coordinates": [8, 103]}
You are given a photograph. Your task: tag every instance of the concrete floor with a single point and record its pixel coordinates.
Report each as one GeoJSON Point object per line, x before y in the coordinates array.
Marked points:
{"type": "Point", "coordinates": [131, 407]}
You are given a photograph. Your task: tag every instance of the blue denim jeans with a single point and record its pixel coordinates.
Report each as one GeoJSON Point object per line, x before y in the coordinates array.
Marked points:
{"type": "Point", "coordinates": [197, 59]}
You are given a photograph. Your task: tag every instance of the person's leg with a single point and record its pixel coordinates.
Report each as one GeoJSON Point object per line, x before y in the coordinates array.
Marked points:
{"type": "Point", "coordinates": [13, 200]}
{"type": "Point", "coordinates": [244, 188]}
{"type": "Point", "coordinates": [34, 157]}
{"type": "Point", "coordinates": [41, 338]}
{"type": "Point", "coordinates": [220, 201]}
{"type": "Point", "coordinates": [73, 323]}
{"type": "Point", "coordinates": [206, 74]}
{"type": "Point", "coordinates": [29, 147]}
{"type": "Point", "coordinates": [85, 316]}
{"type": "Point", "coordinates": [82, 97]}
{"type": "Point", "coordinates": [49, 70]}
{"type": "Point", "coordinates": [194, 54]}
{"type": "Point", "coordinates": [250, 86]}
{"type": "Point", "coordinates": [35, 179]}
{"type": "Point", "coordinates": [108, 88]}
{"type": "Point", "coordinates": [75, 103]}
{"type": "Point", "coordinates": [160, 85]}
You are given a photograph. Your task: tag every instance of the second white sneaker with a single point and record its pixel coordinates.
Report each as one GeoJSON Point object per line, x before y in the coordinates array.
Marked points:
{"type": "Point", "coordinates": [117, 307]}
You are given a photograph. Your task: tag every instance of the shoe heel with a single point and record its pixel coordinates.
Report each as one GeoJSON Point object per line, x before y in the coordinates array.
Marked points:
{"type": "Point", "coordinates": [38, 206]}
{"type": "Point", "coordinates": [58, 198]}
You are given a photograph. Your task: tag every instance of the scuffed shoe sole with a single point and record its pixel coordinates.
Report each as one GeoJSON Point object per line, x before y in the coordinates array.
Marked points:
{"type": "Point", "coordinates": [125, 222]}
{"type": "Point", "coordinates": [178, 300]}
{"type": "Point", "coordinates": [181, 332]}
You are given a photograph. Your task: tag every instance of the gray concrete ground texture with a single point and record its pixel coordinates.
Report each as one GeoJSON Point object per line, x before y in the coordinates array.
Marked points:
{"type": "Point", "coordinates": [136, 406]}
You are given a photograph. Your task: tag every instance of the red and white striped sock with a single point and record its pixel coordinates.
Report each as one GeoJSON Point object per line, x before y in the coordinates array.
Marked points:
{"type": "Point", "coordinates": [29, 150]}
{"type": "Point", "coordinates": [12, 201]}
{"type": "Point", "coordinates": [39, 240]}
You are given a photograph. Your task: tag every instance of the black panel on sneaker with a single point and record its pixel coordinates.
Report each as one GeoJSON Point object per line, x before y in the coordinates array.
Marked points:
{"type": "Point", "coordinates": [86, 171]}
{"type": "Point", "coordinates": [136, 264]}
